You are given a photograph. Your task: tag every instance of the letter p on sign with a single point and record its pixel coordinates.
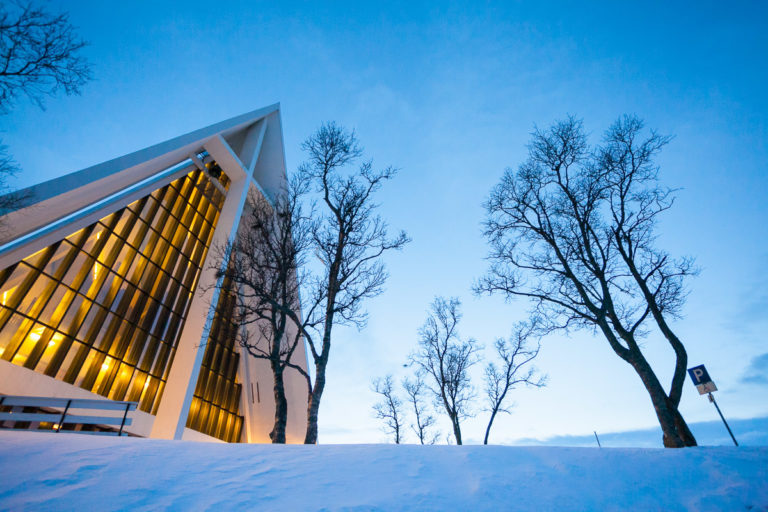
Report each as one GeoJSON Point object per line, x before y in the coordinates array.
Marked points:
{"type": "Point", "coordinates": [701, 379]}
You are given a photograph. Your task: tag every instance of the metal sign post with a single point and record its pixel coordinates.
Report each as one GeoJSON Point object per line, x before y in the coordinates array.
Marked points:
{"type": "Point", "coordinates": [704, 384]}
{"type": "Point", "coordinates": [712, 399]}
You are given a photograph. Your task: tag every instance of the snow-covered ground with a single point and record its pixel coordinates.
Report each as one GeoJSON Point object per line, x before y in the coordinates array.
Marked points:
{"type": "Point", "coordinates": [46, 471]}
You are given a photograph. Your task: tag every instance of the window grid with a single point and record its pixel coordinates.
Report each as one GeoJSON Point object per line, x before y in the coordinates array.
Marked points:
{"type": "Point", "coordinates": [103, 308]}
{"type": "Point", "coordinates": [215, 408]}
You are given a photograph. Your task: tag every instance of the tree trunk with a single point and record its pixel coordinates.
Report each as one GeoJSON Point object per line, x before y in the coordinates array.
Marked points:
{"type": "Point", "coordinates": [681, 362]}
{"type": "Point", "coordinates": [675, 431]}
{"type": "Point", "coordinates": [456, 429]}
{"type": "Point", "coordinates": [683, 430]}
{"type": "Point", "coordinates": [665, 411]}
{"type": "Point", "coordinates": [488, 428]}
{"type": "Point", "coordinates": [281, 405]}
{"type": "Point", "coordinates": [312, 409]}
{"type": "Point", "coordinates": [313, 403]}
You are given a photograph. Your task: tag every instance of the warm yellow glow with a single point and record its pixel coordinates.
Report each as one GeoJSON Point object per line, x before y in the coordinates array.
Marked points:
{"type": "Point", "coordinates": [7, 294]}
{"type": "Point", "coordinates": [55, 426]}
{"type": "Point", "coordinates": [73, 321]}
{"type": "Point", "coordinates": [96, 265]}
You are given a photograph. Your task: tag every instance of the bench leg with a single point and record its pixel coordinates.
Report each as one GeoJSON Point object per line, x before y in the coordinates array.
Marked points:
{"type": "Point", "coordinates": [63, 415]}
{"type": "Point", "coordinates": [125, 415]}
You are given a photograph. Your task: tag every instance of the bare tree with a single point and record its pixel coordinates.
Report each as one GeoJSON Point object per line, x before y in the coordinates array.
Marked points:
{"type": "Point", "coordinates": [446, 358]}
{"type": "Point", "coordinates": [264, 271]}
{"type": "Point", "coordinates": [40, 54]}
{"type": "Point", "coordinates": [636, 200]}
{"type": "Point", "coordinates": [415, 389]}
{"type": "Point", "coordinates": [9, 199]}
{"type": "Point", "coordinates": [572, 230]}
{"type": "Point", "coordinates": [390, 409]}
{"type": "Point", "coordinates": [515, 358]}
{"type": "Point", "coordinates": [349, 239]}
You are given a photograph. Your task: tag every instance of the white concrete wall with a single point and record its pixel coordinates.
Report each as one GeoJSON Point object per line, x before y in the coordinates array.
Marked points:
{"type": "Point", "coordinates": [260, 146]}
{"type": "Point", "coordinates": [269, 169]}
{"type": "Point", "coordinates": [58, 197]}
{"type": "Point", "coordinates": [17, 380]}
{"type": "Point", "coordinates": [258, 399]}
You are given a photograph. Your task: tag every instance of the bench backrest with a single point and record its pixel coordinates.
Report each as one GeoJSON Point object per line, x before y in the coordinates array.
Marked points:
{"type": "Point", "coordinates": [67, 404]}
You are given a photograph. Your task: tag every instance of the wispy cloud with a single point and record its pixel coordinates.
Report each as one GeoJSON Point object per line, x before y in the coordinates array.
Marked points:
{"type": "Point", "coordinates": [749, 314]}
{"type": "Point", "coordinates": [757, 371]}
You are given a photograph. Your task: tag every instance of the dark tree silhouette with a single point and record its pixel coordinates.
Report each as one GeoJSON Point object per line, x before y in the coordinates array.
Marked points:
{"type": "Point", "coordinates": [40, 54]}
{"type": "Point", "coordinates": [264, 271]}
{"type": "Point", "coordinates": [572, 230]}
{"type": "Point", "coordinates": [9, 200]}
{"type": "Point", "coordinates": [514, 368]}
{"type": "Point", "coordinates": [445, 358]}
{"type": "Point", "coordinates": [349, 239]}
{"type": "Point", "coordinates": [415, 389]}
{"type": "Point", "coordinates": [390, 408]}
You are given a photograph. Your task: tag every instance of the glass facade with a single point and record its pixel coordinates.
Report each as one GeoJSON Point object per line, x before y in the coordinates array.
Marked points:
{"type": "Point", "coordinates": [216, 401]}
{"type": "Point", "coordinates": [103, 308]}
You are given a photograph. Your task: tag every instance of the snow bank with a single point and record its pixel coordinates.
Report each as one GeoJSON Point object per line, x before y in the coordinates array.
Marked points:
{"type": "Point", "coordinates": [47, 471]}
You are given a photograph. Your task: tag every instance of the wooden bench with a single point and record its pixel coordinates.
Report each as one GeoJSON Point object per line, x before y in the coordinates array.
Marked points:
{"type": "Point", "coordinates": [45, 404]}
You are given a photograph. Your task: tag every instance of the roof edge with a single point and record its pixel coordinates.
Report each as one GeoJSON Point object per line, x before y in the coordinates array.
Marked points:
{"type": "Point", "coordinates": [42, 191]}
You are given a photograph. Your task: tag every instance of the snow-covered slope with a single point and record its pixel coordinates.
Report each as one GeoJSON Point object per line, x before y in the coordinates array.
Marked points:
{"type": "Point", "coordinates": [40, 471]}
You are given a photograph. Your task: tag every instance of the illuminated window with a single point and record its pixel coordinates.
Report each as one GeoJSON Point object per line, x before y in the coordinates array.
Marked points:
{"type": "Point", "coordinates": [103, 308]}
{"type": "Point", "coordinates": [215, 408]}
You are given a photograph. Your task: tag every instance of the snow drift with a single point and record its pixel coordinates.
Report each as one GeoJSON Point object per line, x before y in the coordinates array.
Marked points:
{"type": "Point", "coordinates": [48, 471]}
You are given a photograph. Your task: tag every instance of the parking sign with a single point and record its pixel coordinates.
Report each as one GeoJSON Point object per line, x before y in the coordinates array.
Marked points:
{"type": "Point", "coordinates": [701, 379]}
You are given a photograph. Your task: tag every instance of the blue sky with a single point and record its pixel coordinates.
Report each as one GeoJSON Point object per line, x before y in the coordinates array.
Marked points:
{"type": "Point", "coordinates": [449, 94]}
